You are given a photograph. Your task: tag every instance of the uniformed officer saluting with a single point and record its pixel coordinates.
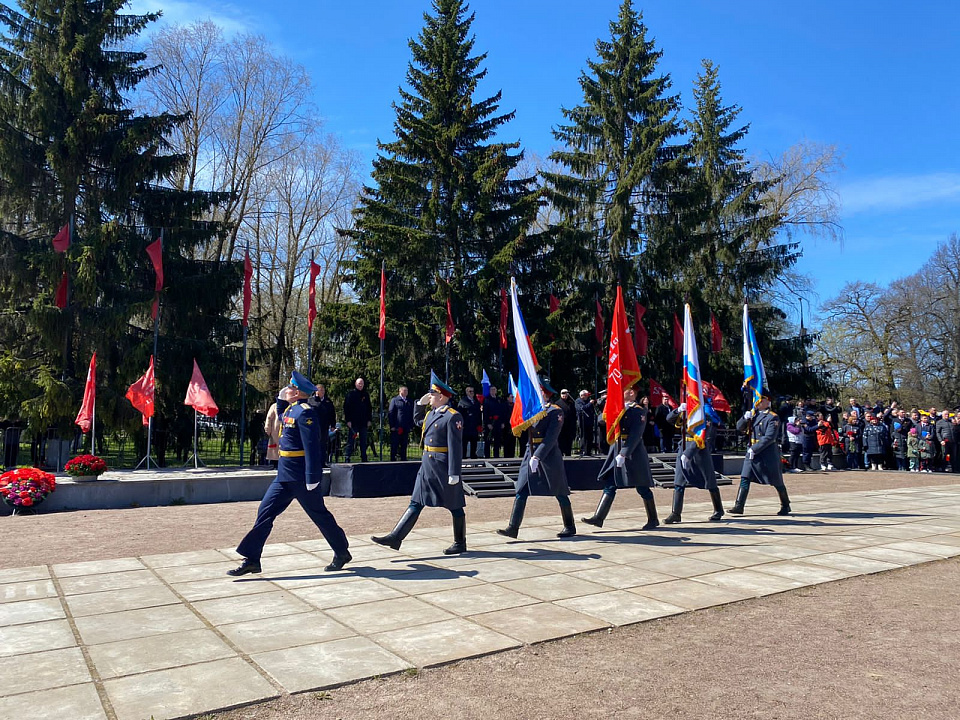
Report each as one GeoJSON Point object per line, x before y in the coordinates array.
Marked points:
{"type": "Point", "coordinates": [627, 464]}
{"type": "Point", "coordinates": [438, 481]}
{"type": "Point", "coordinates": [542, 471]}
{"type": "Point", "coordinates": [762, 462]}
{"type": "Point", "coordinates": [299, 472]}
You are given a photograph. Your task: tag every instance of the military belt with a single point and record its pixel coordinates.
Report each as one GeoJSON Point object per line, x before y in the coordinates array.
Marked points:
{"type": "Point", "coordinates": [292, 453]}
{"type": "Point", "coordinates": [427, 448]}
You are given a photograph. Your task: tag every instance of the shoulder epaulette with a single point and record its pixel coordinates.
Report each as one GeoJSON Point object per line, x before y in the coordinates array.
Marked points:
{"type": "Point", "coordinates": [305, 406]}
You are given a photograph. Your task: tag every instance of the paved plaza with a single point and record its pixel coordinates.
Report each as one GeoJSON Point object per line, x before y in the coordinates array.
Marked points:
{"type": "Point", "coordinates": [168, 636]}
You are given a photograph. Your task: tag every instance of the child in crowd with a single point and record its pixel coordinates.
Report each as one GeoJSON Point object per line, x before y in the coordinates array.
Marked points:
{"type": "Point", "coordinates": [928, 448]}
{"type": "Point", "coordinates": [851, 441]}
{"type": "Point", "coordinates": [795, 437]}
{"type": "Point", "coordinates": [913, 450]}
{"type": "Point", "coordinates": [827, 437]}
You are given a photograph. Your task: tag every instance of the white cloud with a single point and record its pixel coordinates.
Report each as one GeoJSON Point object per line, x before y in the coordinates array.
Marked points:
{"type": "Point", "coordinates": [230, 17]}
{"type": "Point", "coordinates": [898, 192]}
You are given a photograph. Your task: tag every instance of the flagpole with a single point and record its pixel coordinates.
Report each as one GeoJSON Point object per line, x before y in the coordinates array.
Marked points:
{"type": "Point", "coordinates": [446, 371]}
{"type": "Point", "coordinates": [243, 398]}
{"type": "Point", "coordinates": [156, 340]}
{"type": "Point", "coordinates": [66, 334]}
{"type": "Point", "coordinates": [93, 430]}
{"type": "Point", "coordinates": [383, 269]}
{"type": "Point", "coordinates": [310, 329]}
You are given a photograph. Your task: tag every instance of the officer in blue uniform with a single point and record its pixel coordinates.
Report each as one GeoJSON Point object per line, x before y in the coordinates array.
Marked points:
{"type": "Point", "coordinates": [762, 461]}
{"type": "Point", "coordinates": [695, 465]}
{"type": "Point", "coordinates": [299, 472]}
{"type": "Point", "coordinates": [627, 464]}
{"type": "Point", "coordinates": [438, 480]}
{"type": "Point", "coordinates": [542, 471]}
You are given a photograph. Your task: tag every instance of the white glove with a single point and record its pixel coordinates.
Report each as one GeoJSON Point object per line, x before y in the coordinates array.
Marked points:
{"type": "Point", "coordinates": [748, 414]}
{"type": "Point", "coordinates": [534, 464]}
{"type": "Point", "coordinates": [684, 462]}
{"type": "Point", "coordinates": [749, 453]}
{"type": "Point", "coordinates": [453, 479]}
{"type": "Point", "coordinates": [425, 400]}
{"type": "Point", "coordinates": [682, 408]}
{"type": "Point", "coordinates": [620, 460]}
{"type": "Point", "coordinates": [312, 486]}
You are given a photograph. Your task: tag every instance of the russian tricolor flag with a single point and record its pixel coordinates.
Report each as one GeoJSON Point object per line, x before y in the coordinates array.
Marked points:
{"type": "Point", "coordinates": [528, 393]}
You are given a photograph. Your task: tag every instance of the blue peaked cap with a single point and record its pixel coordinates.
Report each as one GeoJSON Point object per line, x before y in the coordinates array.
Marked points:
{"type": "Point", "coordinates": [545, 384]}
{"type": "Point", "coordinates": [302, 383]}
{"type": "Point", "coordinates": [438, 384]}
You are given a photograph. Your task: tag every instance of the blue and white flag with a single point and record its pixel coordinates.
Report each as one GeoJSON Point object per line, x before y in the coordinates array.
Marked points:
{"type": "Point", "coordinates": [485, 386]}
{"type": "Point", "coordinates": [528, 384]}
{"type": "Point", "coordinates": [754, 376]}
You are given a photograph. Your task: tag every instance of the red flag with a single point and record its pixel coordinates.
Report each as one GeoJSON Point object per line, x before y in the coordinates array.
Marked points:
{"type": "Point", "coordinates": [60, 299]}
{"type": "Point", "coordinates": [85, 416]}
{"type": "Point", "coordinates": [156, 306]}
{"type": "Point", "coordinates": [659, 396]}
{"type": "Point", "coordinates": [451, 328]}
{"type": "Point", "coordinates": [382, 332]}
{"type": "Point", "coordinates": [141, 393]}
{"type": "Point", "coordinates": [62, 239]}
{"type": "Point", "coordinates": [712, 393]}
{"type": "Point", "coordinates": [312, 295]}
{"type": "Point", "coordinates": [504, 310]}
{"type": "Point", "coordinates": [716, 337]}
{"type": "Point", "coordinates": [155, 251]}
{"type": "Point", "coordinates": [639, 331]}
{"type": "Point", "coordinates": [622, 368]}
{"type": "Point", "coordinates": [677, 338]}
{"type": "Point", "coordinates": [554, 304]}
{"type": "Point", "coordinates": [247, 274]}
{"type": "Point", "coordinates": [198, 394]}
{"type": "Point", "coordinates": [598, 329]}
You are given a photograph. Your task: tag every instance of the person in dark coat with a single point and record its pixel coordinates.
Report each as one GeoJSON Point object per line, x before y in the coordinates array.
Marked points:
{"type": "Point", "coordinates": [586, 409]}
{"type": "Point", "coordinates": [438, 481]}
{"type": "Point", "coordinates": [568, 432]}
{"type": "Point", "coordinates": [326, 416]}
{"type": "Point", "coordinates": [358, 414]}
{"type": "Point", "coordinates": [627, 464]}
{"type": "Point", "coordinates": [899, 437]}
{"type": "Point", "coordinates": [469, 407]}
{"type": "Point", "coordinates": [542, 471]}
{"type": "Point", "coordinates": [762, 461]}
{"type": "Point", "coordinates": [944, 430]}
{"type": "Point", "coordinates": [875, 441]}
{"type": "Point", "coordinates": [299, 473]}
{"type": "Point", "coordinates": [493, 419]}
{"type": "Point", "coordinates": [694, 466]}
{"type": "Point", "coordinates": [667, 429]}
{"type": "Point", "coordinates": [400, 420]}
{"type": "Point", "coordinates": [507, 439]}
{"type": "Point", "coordinates": [808, 438]}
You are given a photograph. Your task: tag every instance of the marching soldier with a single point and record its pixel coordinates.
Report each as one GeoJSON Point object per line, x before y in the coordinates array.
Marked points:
{"type": "Point", "coordinates": [762, 462]}
{"type": "Point", "coordinates": [438, 481]}
{"type": "Point", "coordinates": [629, 465]}
{"type": "Point", "coordinates": [695, 465]}
{"type": "Point", "coordinates": [299, 471]}
{"type": "Point", "coordinates": [541, 471]}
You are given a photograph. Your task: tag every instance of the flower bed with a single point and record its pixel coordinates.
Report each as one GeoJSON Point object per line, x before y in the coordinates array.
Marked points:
{"type": "Point", "coordinates": [26, 487]}
{"type": "Point", "coordinates": [85, 466]}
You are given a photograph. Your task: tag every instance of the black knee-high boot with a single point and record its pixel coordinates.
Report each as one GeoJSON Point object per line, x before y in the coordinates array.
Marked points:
{"type": "Point", "coordinates": [784, 500]}
{"type": "Point", "coordinates": [650, 505]}
{"type": "Point", "coordinates": [677, 509]}
{"type": "Point", "coordinates": [717, 505]}
{"type": "Point", "coordinates": [403, 528]}
{"type": "Point", "coordinates": [516, 517]}
{"type": "Point", "coordinates": [459, 536]}
{"type": "Point", "coordinates": [569, 526]}
{"type": "Point", "coordinates": [603, 509]}
{"type": "Point", "coordinates": [742, 493]}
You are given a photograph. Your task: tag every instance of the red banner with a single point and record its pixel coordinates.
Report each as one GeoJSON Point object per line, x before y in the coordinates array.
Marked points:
{"type": "Point", "coordinates": [155, 251]}
{"type": "Point", "coordinates": [141, 393]}
{"type": "Point", "coordinates": [61, 240]}
{"type": "Point", "coordinates": [60, 299]}
{"type": "Point", "coordinates": [677, 339]}
{"type": "Point", "coordinates": [504, 311]}
{"type": "Point", "coordinates": [712, 393]}
{"type": "Point", "coordinates": [312, 295]}
{"type": "Point", "coordinates": [247, 274]}
{"type": "Point", "coordinates": [716, 337]}
{"type": "Point", "coordinates": [622, 368]}
{"type": "Point", "coordinates": [198, 394]}
{"type": "Point", "coordinates": [382, 332]}
{"type": "Point", "coordinates": [554, 304]}
{"type": "Point", "coordinates": [659, 396]}
{"type": "Point", "coordinates": [451, 328]}
{"type": "Point", "coordinates": [598, 329]}
{"type": "Point", "coordinates": [639, 331]}
{"type": "Point", "coordinates": [85, 416]}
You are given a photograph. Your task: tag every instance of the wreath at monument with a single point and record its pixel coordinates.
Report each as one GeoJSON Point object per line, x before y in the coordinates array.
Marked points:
{"type": "Point", "coordinates": [86, 466]}
{"type": "Point", "coordinates": [26, 487]}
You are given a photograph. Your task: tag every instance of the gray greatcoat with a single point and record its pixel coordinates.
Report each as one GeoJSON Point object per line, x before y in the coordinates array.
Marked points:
{"type": "Point", "coordinates": [765, 468]}
{"type": "Point", "coordinates": [636, 468]}
{"type": "Point", "coordinates": [701, 473]}
{"type": "Point", "coordinates": [443, 430]}
{"type": "Point", "coordinates": [550, 478]}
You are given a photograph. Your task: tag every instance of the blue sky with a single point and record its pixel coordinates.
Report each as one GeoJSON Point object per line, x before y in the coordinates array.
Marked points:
{"type": "Point", "coordinates": [877, 79]}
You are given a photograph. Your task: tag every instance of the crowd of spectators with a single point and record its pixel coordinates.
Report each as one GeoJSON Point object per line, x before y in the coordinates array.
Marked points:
{"type": "Point", "coordinates": [869, 436]}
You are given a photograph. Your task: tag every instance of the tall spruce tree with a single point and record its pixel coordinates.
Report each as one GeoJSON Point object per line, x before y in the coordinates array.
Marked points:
{"type": "Point", "coordinates": [444, 213]}
{"type": "Point", "coordinates": [621, 191]}
{"type": "Point", "coordinates": [71, 149]}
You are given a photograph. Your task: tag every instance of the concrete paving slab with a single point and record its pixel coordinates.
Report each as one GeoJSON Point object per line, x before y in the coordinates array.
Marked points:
{"type": "Point", "coordinates": [844, 561]}
{"type": "Point", "coordinates": [198, 557]}
{"type": "Point", "coordinates": [348, 593]}
{"type": "Point", "coordinates": [480, 599]}
{"type": "Point", "coordinates": [731, 557]}
{"type": "Point", "coordinates": [108, 581]}
{"type": "Point", "coordinates": [222, 587]}
{"type": "Point", "coordinates": [554, 587]}
{"type": "Point", "coordinates": [158, 652]}
{"type": "Point", "coordinates": [97, 567]}
{"type": "Point", "coordinates": [808, 574]}
{"type": "Point", "coordinates": [432, 580]}
{"type": "Point", "coordinates": [188, 690]}
{"type": "Point", "coordinates": [190, 573]}
{"type": "Point", "coordinates": [626, 554]}
{"type": "Point", "coordinates": [690, 594]}
{"type": "Point", "coordinates": [284, 632]}
{"type": "Point", "coordinates": [27, 590]}
{"type": "Point", "coordinates": [96, 629]}
{"type": "Point", "coordinates": [24, 574]}
{"type": "Point", "coordinates": [384, 615]}
{"type": "Point", "coordinates": [893, 555]}
{"type": "Point", "coordinates": [323, 665]}
{"type": "Point", "coordinates": [77, 702]}
{"type": "Point", "coordinates": [30, 611]}
{"type": "Point", "coordinates": [111, 601]}
{"type": "Point", "coordinates": [781, 551]}
{"type": "Point", "coordinates": [540, 622]}
{"type": "Point", "coordinates": [681, 567]}
{"type": "Point", "coordinates": [229, 610]}
{"type": "Point", "coordinates": [621, 576]}
{"type": "Point", "coordinates": [926, 548]}
{"type": "Point", "coordinates": [490, 570]}
{"type": "Point", "coordinates": [620, 607]}
{"type": "Point", "coordinates": [438, 643]}
{"type": "Point", "coordinates": [36, 637]}
{"type": "Point", "coordinates": [750, 581]}
{"type": "Point", "coordinates": [43, 670]}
